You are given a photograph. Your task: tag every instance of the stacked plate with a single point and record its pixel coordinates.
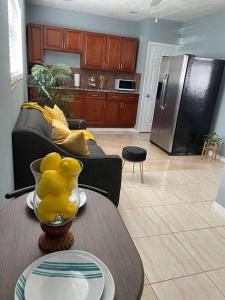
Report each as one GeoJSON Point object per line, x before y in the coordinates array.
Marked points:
{"type": "Point", "coordinates": [71, 274]}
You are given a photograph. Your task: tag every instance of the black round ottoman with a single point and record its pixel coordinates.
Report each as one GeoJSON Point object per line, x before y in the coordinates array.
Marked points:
{"type": "Point", "coordinates": [135, 155]}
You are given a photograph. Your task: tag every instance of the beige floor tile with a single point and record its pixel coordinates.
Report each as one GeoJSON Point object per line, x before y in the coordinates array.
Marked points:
{"type": "Point", "coordinates": [146, 282]}
{"type": "Point", "coordinates": [180, 217]}
{"type": "Point", "coordinates": [218, 277]}
{"type": "Point", "coordinates": [209, 213]}
{"type": "Point", "coordinates": [202, 191]}
{"type": "Point", "coordinates": [164, 258]}
{"type": "Point", "coordinates": [143, 222]}
{"type": "Point", "coordinates": [131, 198]}
{"type": "Point", "coordinates": [148, 293]}
{"type": "Point", "coordinates": [221, 231]}
{"type": "Point", "coordinates": [206, 246]}
{"type": "Point", "coordinates": [195, 287]}
{"type": "Point", "coordinates": [162, 195]}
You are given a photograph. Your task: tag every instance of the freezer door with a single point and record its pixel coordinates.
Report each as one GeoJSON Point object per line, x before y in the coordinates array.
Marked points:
{"type": "Point", "coordinates": [170, 101]}
{"type": "Point", "coordinates": [164, 70]}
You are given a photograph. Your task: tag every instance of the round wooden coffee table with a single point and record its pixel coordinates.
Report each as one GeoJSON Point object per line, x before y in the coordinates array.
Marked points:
{"type": "Point", "coordinates": [97, 229]}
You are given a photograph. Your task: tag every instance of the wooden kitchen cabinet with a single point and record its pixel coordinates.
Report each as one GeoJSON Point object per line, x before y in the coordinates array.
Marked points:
{"type": "Point", "coordinates": [122, 110]}
{"type": "Point", "coordinates": [128, 113]}
{"type": "Point", "coordinates": [73, 40]}
{"type": "Point", "coordinates": [112, 57]}
{"type": "Point", "coordinates": [129, 47]}
{"type": "Point", "coordinates": [77, 108]}
{"type": "Point", "coordinates": [112, 112]}
{"type": "Point", "coordinates": [94, 111]}
{"type": "Point", "coordinates": [35, 43]}
{"type": "Point", "coordinates": [53, 38]}
{"type": "Point", "coordinates": [94, 47]}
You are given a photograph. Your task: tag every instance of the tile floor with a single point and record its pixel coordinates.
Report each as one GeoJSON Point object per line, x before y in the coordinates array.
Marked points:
{"type": "Point", "coordinates": [178, 233]}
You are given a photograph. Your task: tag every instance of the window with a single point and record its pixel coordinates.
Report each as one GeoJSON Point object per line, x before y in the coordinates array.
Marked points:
{"type": "Point", "coordinates": [15, 41]}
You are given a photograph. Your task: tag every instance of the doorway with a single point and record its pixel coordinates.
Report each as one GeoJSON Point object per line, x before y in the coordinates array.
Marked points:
{"type": "Point", "coordinates": [151, 75]}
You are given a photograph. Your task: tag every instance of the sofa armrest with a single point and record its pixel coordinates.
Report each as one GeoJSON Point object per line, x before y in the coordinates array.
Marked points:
{"type": "Point", "coordinates": [77, 123]}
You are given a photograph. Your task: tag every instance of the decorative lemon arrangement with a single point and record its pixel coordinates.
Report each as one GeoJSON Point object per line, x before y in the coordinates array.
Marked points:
{"type": "Point", "coordinates": [57, 198]}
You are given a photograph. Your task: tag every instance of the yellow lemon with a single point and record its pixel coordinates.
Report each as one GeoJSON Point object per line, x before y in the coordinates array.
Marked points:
{"type": "Point", "coordinates": [51, 182]}
{"type": "Point", "coordinates": [71, 181]}
{"type": "Point", "coordinates": [51, 161]}
{"type": "Point", "coordinates": [69, 165]}
{"type": "Point", "coordinates": [44, 215]}
{"type": "Point", "coordinates": [56, 203]}
{"type": "Point", "coordinates": [70, 211]}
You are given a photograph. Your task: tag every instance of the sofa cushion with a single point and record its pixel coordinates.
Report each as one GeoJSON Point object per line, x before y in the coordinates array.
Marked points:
{"type": "Point", "coordinates": [95, 151]}
{"type": "Point", "coordinates": [33, 120]}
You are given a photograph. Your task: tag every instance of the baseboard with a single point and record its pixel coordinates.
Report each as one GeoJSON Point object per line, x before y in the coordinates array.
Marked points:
{"type": "Point", "coordinates": [219, 208]}
{"type": "Point", "coordinates": [115, 129]}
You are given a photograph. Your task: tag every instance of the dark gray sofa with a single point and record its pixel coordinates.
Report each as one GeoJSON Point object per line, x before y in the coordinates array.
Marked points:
{"type": "Point", "coordinates": [31, 140]}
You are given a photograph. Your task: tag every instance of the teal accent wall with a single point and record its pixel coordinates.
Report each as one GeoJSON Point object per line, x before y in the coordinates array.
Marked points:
{"type": "Point", "coordinates": [10, 101]}
{"type": "Point", "coordinates": [205, 37]}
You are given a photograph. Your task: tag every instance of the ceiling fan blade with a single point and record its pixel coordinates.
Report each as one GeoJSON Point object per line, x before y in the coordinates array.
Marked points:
{"type": "Point", "coordinates": [155, 2]}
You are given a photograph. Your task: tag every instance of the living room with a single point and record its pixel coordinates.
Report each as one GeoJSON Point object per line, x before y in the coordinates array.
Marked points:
{"type": "Point", "coordinates": [159, 187]}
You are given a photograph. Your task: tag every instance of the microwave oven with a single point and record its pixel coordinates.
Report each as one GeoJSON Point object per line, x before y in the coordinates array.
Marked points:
{"type": "Point", "coordinates": [125, 85]}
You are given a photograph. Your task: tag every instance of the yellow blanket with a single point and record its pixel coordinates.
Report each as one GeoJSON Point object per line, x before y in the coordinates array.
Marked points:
{"type": "Point", "coordinates": [34, 105]}
{"type": "Point", "coordinates": [87, 134]}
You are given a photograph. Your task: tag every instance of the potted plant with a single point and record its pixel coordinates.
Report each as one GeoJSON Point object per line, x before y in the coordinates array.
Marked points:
{"type": "Point", "coordinates": [212, 143]}
{"type": "Point", "coordinates": [45, 78]}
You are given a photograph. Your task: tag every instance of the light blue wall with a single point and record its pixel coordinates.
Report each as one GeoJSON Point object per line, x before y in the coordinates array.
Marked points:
{"type": "Point", "coordinates": [206, 37]}
{"type": "Point", "coordinates": [10, 102]}
{"type": "Point", "coordinates": [78, 20]}
{"type": "Point", "coordinates": [163, 31]}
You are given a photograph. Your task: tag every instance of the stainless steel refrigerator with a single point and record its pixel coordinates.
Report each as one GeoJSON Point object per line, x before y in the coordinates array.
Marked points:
{"type": "Point", "coordinates": [186, 96]}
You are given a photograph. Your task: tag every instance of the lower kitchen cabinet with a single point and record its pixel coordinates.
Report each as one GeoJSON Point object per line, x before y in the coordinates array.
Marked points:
{"type": "Point", "coordinates": [99, 109]}
{"type": "Point", "coordinates": [77, 108]}
{"type": "Point", "coordinates": [112, 112]}
{"type": "Point", "coordinates": [128, 113]}
{"type": "Point", "coordinates": [94, 110]}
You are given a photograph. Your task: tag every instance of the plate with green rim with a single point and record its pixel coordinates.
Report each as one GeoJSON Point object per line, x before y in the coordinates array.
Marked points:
{"type": "Point", "coordinates": [65, 276]}
{"type": "Point", "coordinates": [109, 288]}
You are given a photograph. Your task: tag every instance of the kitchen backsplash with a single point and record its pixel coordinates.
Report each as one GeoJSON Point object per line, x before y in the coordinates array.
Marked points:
{"type": "Point", "coordinates": [111, 76]}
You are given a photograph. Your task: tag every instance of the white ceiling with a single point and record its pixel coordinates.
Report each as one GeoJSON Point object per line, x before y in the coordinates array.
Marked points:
{"type": "Point", "coordinates": [176, 10]}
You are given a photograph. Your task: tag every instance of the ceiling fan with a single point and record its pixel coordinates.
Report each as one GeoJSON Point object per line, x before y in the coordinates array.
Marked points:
{"type": "Point", "coordinates": [155, 2]}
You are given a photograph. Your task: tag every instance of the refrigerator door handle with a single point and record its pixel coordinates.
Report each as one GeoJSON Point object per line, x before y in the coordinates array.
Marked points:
{"type": "Point", "coordinates": [165, 81]}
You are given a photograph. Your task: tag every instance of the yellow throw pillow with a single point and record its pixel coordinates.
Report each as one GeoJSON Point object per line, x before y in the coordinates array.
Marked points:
{"type": "Point", "coordinates": [75, 143]}
{"type": "Point", "coordinates": [59, 131]}
{"type": "Point", "coordinates": [57, 114]}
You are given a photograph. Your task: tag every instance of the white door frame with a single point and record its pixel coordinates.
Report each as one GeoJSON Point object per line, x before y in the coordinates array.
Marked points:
{"type": "Point", "coordinates": [145, 79]}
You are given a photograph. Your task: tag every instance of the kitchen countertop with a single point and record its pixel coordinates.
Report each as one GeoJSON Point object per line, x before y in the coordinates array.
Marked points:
{"type": "Point", "coordinates": [73, 88]}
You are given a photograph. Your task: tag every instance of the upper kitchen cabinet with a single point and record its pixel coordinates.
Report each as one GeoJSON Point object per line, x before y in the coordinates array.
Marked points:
{"type": "Point", "coordinates": [112, 58]}
{"type": "Point", "coordinates": [53, 38]}
{"type": "Point", "coordinates": [129, 47]}
{"type": "Point", "coordinates": [94, 46]}
{"type": "Point", "coordinates": [73, 40]}
{"type": "Point", "coordinates": [35, 43]}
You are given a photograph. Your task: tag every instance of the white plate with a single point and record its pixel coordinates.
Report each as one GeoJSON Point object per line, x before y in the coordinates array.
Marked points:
{"type": "Point", "coordinates": [82, 195]}
{"type": "Point", "coordinates": [109, 289]}
{"type": "Point", "coordinates": [65, 276]}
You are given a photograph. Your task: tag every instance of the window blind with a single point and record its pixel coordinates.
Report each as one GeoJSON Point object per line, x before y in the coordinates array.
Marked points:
{"type": "Point", "coordinates": [15, 41]}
